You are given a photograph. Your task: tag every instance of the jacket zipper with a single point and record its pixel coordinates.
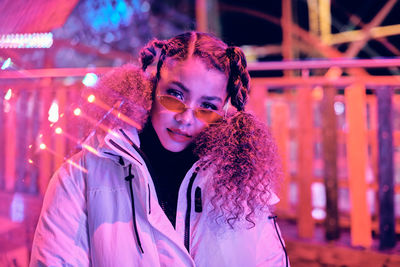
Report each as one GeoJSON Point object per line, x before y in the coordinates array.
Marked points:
{"type": "Point", "coordinates": [188, 192]}
{"type": "Point", "coordinates": [129, 179]}
{"type": "Point", "coordinates": [188, 209]}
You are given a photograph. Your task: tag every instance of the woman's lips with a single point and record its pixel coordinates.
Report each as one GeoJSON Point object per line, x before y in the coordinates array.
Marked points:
{"type": "Point", "coordinates": [178, 136]}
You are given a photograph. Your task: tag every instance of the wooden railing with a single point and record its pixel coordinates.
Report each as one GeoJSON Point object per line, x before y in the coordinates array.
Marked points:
{"type": "Point", "coordinates": [331, 132]}
{"type": "Point", "coordinates": [339, 139]}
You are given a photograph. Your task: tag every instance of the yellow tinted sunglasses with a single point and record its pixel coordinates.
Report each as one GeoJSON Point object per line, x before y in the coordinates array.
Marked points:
{"type": "Point", "coordinates": [175, 105]}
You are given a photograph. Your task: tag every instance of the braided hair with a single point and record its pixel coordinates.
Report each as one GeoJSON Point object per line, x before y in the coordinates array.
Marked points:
{"type": "Point", "coordinates": [239, 151]}
{"type": "Point", "coordinates": [230, 60]}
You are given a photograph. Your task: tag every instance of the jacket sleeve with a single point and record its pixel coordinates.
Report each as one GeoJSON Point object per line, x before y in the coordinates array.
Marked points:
{"type": "Point", "coordinates": [61, 236]}
{"type": "Point", "coordinates": [270, 248]}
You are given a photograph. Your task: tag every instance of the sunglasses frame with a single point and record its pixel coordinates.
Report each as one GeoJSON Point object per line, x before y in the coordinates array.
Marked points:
{"type": "Point", "coordinates": [195, 110]}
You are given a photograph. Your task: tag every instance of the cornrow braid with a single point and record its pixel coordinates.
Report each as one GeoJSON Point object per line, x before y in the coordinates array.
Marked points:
{"type": "Point", "coordinates": [214, 53]}
{"type": "Point", "coordinates": [239, 78]}
{"type": "Point", "coordinates": [148, 53]}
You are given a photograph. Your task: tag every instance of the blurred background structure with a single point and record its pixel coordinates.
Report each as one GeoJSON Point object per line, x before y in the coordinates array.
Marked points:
{"type": "Point", "coordinates": [325, 78]}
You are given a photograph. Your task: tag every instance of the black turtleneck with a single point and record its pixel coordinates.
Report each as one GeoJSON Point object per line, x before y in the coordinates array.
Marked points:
{"type": "Point", "coordinates": [167, 168]}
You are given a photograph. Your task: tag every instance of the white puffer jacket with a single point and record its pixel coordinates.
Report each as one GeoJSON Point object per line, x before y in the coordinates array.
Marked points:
{"type": "Point", "coordinates": [87, 220]}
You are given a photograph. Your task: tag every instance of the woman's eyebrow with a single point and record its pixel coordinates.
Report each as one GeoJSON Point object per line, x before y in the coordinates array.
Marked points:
{"type": "Point", "coordinates": [184, 88]}
{"type": "Point", "coordinates": [212, 98]}
{"type": "Point", "coordinates": [180, 85]}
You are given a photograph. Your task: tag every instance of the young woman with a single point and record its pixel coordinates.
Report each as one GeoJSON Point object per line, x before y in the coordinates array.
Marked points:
{"type": "Point", "coordinates": [181, 180]}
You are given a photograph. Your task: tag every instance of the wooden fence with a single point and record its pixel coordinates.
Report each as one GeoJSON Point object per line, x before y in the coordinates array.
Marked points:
{"type": "Point", "coordinates": [339, 141]}
{"type": "Point", "coordinates": [340, 147]}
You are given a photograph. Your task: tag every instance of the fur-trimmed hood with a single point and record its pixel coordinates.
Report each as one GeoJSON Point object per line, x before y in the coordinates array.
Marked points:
{"type": "Point", "coordinates": [239, 150]}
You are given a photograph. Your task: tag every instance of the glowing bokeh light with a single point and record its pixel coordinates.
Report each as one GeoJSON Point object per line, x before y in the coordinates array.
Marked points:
{"type": "Point", "coordinates": [318, 195]}
{"type": "Point", "coordinates": [42, 146]}
{"type": "Point", "coordinates": [77, 111]}
{"type": "Point", "coordinates": [27, 40]}
{"type": "Point", "coordinates": [145, 7]}
{"type": "Point", "coordinates": [17, 208]}
{"type": "Point", "coordinates": [339, 108]}
{"type": "Point", "coordinates": [109, 17]}
{"type": "Point", "coordinates": [7, 107]}
{"type": "Point", "coordinates": [318, 93]}
{"type": "Point", "coordinates": [30, 161]}
{"type": "Point", "coordinates": [6, 64]}
{"type": "Point", "coordinates": [53, 112]}
{"type": "Point", "coordinates": [91, 98]}
{"type": "Point", "coordinates": [318, 214]}
{"type": "Point", "coordinates": [90, 79]}
{"type": "Point", "coordinates": [58, 130]}
{"type": "Point", "coordinates": [8, 94]}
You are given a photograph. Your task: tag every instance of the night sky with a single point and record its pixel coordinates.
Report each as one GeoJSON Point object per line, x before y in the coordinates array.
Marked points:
{"type": "Point", "coordinates": [241, 28]}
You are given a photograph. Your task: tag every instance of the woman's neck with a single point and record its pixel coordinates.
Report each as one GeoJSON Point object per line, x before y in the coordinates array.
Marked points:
{"type": "Point", "coordinates": [168, 169]}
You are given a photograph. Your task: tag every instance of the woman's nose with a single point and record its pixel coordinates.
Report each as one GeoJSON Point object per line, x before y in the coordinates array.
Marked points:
{"type": "Point", "coordinates": [185, 117]}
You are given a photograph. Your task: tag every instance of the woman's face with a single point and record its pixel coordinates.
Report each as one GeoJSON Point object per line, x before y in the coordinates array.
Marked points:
{"type": "Point", "coordinates": [195, 85]}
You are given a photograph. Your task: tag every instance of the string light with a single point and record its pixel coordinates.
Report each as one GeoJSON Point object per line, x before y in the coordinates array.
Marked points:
{"type": "Point", "coordinates": [8, 95]}
{"type": "Point", "coordinates": [77, 111]}
{"type": "Point", "coordinates": [58, 130]}
{"type": "Point", "coordinates": [53, 112]}
{"type": "Point", "coordinates": [27, 40]}
{"type": "Point", "coordinates": [6, 64]}
{"type": "Point", "coordinates": [91, 98]}
{"type": "Point", "coordinates": [42, 146]}
{"type": "Point", "coordinates": [90, 79]}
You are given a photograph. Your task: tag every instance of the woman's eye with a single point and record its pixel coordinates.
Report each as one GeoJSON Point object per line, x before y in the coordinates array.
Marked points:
{"type": "Point", "coordinates": [209, 106]}
{"type": "Point", "coordinates": [175, 93]}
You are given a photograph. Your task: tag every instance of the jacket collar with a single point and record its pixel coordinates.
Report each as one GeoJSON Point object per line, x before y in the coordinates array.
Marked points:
{"type": "Point", "coordinates": [118, 145]}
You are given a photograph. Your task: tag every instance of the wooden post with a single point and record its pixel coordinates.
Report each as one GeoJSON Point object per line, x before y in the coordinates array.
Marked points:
{"type": "Point", "coordinates": [305, 162]}
{"type": "Point", "coordinates": [329, 148]}
{"type": "Point", "coordinates": [22, 135]}
{"type": "Point", "coordinates": [387, 235]}
{"type": "Point", "coordinates": [286, 25]}
{"type": "Point", "coordinates": [10, 145]}
{"type": "Point", "coordinates": [357, 162]}
{"type": "Point", "coordinates": [59, 139]}
{"type": "Point", "coordinates": [46, 166]}
{"type": "Point", "coordinates": [201, 15]}
{"type": "Point", "coordinates": [257, 97]}
{"type": "Point", "coordinates": [280, 131]}
{"type": "Point", "coordinates": [33, 155]}
{"type": "Point", "coordinates": [2, 139]}
{"type": "Point", "coordinates": [207, 16]}
{"type": "Point", "coordinates": [373, 132]}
